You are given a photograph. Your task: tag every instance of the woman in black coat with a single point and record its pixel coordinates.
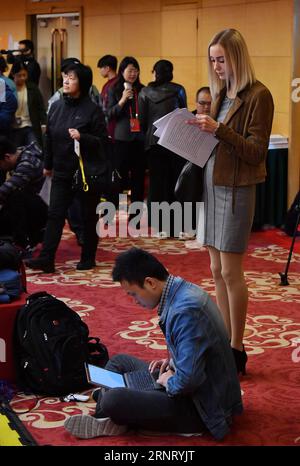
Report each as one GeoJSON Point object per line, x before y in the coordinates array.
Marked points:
{"type": "Point", "coordinates": [129, 140]}
{"type": "Point", "coordinates": [73, 118]}
{"type": "Point", "coordinates": [31, 113]}
{"type": "Point", "coordinates": [159, 98]}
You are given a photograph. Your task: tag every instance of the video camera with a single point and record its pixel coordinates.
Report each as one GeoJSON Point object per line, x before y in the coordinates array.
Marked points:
{"type": "Point", "coordinates": [9, 52]}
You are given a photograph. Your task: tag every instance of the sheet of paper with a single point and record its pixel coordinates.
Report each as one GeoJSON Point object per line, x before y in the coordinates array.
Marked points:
{"type": "Point", "coordinates": [2, 90]}
{"type": "Point", "coordinates": [161, 122]}
{"type": "Point", "coordinates": [45, 190]}
{"type": "Point", "coordinates": [186, 140]}
{"type": "Point", "coordinates": [77, 147]}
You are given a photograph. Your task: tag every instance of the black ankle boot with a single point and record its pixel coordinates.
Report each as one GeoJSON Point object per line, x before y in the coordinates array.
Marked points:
{"type": "Point", "coordinates": [240, 358]}
{"type": "Point", "coordinates": [41, 263]}
{"type": "Point", "coordinates": [86, 265]}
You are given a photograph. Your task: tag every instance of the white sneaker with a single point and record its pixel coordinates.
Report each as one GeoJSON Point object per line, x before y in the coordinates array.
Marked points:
{"type": "Point", "coordinates": [84, 426]}
{"type": "Point", "coordinates": [183, 236]}
{"type": "Point", "coordinates": [161, 235]}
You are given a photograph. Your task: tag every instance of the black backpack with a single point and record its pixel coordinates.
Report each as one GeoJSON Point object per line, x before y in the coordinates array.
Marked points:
{"type": "Point", "coordinates": [51, 346]}
{"type": "Point", "coordinates": [9, 254]}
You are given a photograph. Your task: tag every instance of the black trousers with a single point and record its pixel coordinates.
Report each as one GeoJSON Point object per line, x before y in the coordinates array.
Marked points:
{"type": "Point", "coordinates": [24, 217]}
{"type": "Point", "coordinates": [164, 170]}
{"type": "Point", "coordinates": [153, 409]}
{"type": "Point", "coordinates": [23, 136]}
{"type": "Point", "coordinates": [130, 161]}
{"type": "Point", "coordinates": [61, 197]}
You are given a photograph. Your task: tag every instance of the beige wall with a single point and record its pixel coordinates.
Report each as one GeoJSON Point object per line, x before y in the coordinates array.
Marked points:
{"type": "Point", "coordinates": [178, 30]}
{"type": "Point", "coordinates": [152, 29]}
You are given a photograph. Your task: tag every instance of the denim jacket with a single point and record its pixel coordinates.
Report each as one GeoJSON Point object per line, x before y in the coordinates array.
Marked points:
{"type": "Point", "coordinates": [204, 365]}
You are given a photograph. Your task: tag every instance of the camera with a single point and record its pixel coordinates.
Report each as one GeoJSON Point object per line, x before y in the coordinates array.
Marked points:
{"type": "Point", "coordinates": [7, 52]}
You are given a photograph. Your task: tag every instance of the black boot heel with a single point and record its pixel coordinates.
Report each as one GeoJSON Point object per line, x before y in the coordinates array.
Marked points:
{"type": "Point", "coordinates": [241, 359]}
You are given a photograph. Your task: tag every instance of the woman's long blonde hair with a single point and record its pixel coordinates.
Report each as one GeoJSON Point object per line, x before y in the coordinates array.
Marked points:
{"type": "Point", "coordinates": [237, 57]}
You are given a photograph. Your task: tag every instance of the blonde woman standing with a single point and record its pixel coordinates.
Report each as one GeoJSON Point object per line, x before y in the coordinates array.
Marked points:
{"type": "Point", "coordinates": [241, 119]}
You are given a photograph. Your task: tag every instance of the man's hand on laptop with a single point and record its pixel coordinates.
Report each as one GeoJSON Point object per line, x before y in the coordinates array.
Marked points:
{"type": "Point", "coordinates": [163, 378]}
{"type": "Point", "coordinates": [162, 365]}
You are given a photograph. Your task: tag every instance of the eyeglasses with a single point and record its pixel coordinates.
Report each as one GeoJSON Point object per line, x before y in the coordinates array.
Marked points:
{"type": "Point", "coordinates": [69, 78]}
{"type": "Point", "coordinates": [204, 103]}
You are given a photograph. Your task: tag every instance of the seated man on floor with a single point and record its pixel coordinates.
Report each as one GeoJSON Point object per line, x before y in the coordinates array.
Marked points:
{"type": "Point", "coordinates": [200, 387]}
{"type": "Point", "coordinates": [23, 214]}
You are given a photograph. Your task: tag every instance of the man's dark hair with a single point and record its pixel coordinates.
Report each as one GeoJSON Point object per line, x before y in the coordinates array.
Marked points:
{"type": "Point", "coordinates": [28, 44]}
{"type": "Point", "coordinates": [84, 74]}
{"type": "Point", "coordinates": [6, 147]}
{"type": "Point", "coordinates": [135, 265]}
{"type": "Point", "coordinates": [108, 60]}
{"type": "Point", "coordinates": [203, 89]}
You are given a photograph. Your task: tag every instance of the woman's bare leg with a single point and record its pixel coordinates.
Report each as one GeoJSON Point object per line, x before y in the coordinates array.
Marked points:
{"type": "Point", "coordinates": [220, 285]}
{"type": "Point", "coordinates": [237, 292]}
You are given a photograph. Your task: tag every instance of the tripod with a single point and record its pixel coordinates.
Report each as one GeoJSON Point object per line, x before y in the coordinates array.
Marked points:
{"type": "Point", "coordinates": [284, 275]}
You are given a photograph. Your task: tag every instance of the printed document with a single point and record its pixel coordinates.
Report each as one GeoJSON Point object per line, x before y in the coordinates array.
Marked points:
{"type": "Point", "coordinates": [186, 140]}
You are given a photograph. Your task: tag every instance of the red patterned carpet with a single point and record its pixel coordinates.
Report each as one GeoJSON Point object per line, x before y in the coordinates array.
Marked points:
{"type": "Point", "coordinates": [271, 389]}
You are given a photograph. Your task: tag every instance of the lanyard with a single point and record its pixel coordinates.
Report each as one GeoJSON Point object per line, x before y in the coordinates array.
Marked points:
{"type": "Point", "coordinates": [78, 153]}
{"type": "Point", "coordinates": [136, 106]}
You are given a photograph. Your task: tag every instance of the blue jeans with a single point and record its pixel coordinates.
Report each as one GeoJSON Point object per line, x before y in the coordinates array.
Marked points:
{"type": "Point", "coordinates": [151, 410]}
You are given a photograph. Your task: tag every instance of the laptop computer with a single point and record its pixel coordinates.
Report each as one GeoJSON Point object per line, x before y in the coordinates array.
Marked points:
{"type": "Point", "coordinates": [137, 380]}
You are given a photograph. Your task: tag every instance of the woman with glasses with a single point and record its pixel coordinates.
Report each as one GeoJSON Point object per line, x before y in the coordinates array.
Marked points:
{"type": "Point", "coordinates": [74, 118]}
{"type": "Point", "coordinates": [30, 117]}
{"type": "Point", "coordinates": [123, 108]}
{"type": "Point", "coordinates": [241, 119]}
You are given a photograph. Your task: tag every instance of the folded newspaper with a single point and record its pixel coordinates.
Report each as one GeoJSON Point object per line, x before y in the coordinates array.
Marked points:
{"type": "Point", "coordinates": [186, 140]}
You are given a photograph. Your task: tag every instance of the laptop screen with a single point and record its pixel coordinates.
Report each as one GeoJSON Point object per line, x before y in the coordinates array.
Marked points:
{"type": "Point", "coordinates": [104, 378]}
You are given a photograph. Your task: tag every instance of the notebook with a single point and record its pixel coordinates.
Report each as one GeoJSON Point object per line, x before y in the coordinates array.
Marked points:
{"type": "Point", "coordinates": [137, 380]}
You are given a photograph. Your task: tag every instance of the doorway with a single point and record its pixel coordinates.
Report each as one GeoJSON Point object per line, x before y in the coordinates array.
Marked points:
{"type": "Point", "coordinates": [57, 36]}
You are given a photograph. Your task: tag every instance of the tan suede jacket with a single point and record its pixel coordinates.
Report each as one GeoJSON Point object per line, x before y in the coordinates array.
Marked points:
{"type": "Point", "coordinates": [244, 137]}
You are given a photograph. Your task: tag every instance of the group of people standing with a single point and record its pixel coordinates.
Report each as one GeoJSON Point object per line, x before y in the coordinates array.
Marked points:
{"type": "Point", "coordinates": [201, 389]}
{"type": "Point", "coordinates": [240, 116]}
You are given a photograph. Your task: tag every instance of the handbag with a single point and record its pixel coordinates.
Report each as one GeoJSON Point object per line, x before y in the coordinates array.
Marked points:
{"type": "Point", "coordinates": [189, 186]}
{"type": "Point", "coordinates": [89, 183]}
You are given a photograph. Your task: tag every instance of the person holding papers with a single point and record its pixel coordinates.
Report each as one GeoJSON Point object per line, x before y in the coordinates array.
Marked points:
{"type": "Point", "coordinates": [159, 98]}
{"type": "Point", "coordinates": [241, 119]}
{"type": "Point", "coordinates": [73, 118]}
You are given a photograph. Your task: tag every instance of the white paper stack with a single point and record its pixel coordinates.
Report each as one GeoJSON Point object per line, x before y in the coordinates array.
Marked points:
{"type": "Point", "coordinates": [184, 139]}
{"type": "Point", "coordinates": [277, 141]}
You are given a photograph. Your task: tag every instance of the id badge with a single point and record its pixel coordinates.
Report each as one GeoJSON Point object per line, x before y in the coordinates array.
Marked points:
{"type": "Point", "coordinates": [135, 125]}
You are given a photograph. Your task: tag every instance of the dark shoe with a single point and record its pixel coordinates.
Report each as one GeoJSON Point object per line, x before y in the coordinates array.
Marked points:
{"type": "Point", "coordinates": [41, 263]}
{"type": "Point", "coordinates": [85, 265]}
{"type": "Point", "coordinates": [241, 359]}
{"type": "Point", "coordinates": [98, 393]}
